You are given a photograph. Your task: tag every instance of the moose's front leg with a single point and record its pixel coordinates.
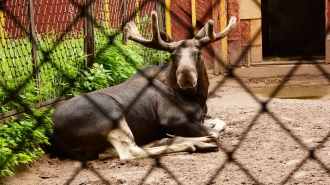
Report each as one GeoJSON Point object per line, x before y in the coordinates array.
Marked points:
{"type": "Point", "coordinates": [203, 137]}
{"type": "Point", "coordinates": [190, 128]}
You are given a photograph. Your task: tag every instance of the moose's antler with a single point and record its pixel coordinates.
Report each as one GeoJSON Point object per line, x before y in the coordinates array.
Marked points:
{"type": "Point", "coordinates": [156, 42]}
{"type": "Point", "coordinates": [206, 35]}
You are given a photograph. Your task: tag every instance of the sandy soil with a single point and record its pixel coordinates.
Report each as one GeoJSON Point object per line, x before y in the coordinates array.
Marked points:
{"type": "Point", "coordinates": [289, 144]}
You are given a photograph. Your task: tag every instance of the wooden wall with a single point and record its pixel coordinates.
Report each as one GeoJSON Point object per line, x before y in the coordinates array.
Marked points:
{"type": "Point", "coordinates": [181, 23]}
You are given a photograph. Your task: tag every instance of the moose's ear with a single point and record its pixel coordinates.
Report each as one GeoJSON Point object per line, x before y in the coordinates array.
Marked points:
{"type": "Point", "coordinates": [165, 37]}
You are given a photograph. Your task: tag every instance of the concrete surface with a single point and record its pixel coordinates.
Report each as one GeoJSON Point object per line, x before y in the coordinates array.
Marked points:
{"type": "Point", "coordinates": [281, 70]}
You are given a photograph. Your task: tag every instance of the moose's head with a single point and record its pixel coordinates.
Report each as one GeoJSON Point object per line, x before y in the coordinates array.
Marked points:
{"type": "Point", "coordinates": [185, 54]}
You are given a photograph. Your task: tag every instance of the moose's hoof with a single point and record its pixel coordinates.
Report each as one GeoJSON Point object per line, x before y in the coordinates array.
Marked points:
{"type": "Point", "coordinates": [216, 124]}
{"type": "Point", "coordinates": [204, 147]}
{"type": "Point", "coordinates": [103, 157]}
{"type": "Point", "coordinates": [189, 147]}
{"type": "Point", "coordinates": [220, 125]}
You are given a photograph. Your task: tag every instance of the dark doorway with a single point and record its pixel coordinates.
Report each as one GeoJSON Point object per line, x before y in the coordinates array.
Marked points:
{"type": "Point", "coordinates": [293, 28]}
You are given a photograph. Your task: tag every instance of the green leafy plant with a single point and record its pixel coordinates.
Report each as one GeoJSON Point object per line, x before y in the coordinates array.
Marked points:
{"type": "Point", "coordinates": [120, 62]}
{"type": "Point", "coordinates": [62, 72]}
{"type": "Point", "coordinates": [150, 56]}
{"type": "Point", "coordinates": [59, 62]}
{"type": "Point", "coordinates": [21, 140]}
{"type": "Point", "coordinates": [96, 78]}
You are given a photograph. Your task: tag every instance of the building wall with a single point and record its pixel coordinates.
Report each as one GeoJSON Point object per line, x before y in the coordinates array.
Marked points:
{"type": "Point", "coordinates": [251, 36]}
{"type": "Point", "coordinates": [181, 23]}
{"type": "Point", "coordinates": [240, 40]}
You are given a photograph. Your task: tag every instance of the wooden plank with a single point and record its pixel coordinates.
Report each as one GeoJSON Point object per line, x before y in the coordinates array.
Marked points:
{"type": "Point", "coordinates": [245, 32]}
{"type": "Point", "coordinates": [256, 40]}
{"type": "Point", "coordinates": [181, 20]}
{"type": "Point", "coordinates": [204, 13]}
{"type": "Point", "coordinates": [246, 41]}
{"type": "Point", "coordinates": [224, 41]}
{"type": "Point", "coordinates": [18, 112]}
{"type": "Point", "coordinates": [33, 40]}
{"type": "Point", "coordinates": [89, 33]}
{"type": "Point", "coordinates": [250, 9]}
{"type": "Point", "coordinates": [107, 13]}
{"type": "Point", "coordinates": [256, 54]}
{"type": "Point", "coordinates": [327, 31]}
{"type": "Point", "coordinates": [193, 16]}
{"type": "Point", "coordinates": [2, 26]}
{"type": "Point", "coordinates": [158, 8]}
{"type": "Point", "coordinates": [216, 45]}
{"type": "Point", "coordinates": [123, 23]}
{"type": "Point", "coordinates": [234, 37]}
{"type": "Point", "coordinates": [270, 71]}
{"type": "Point", "coordinates": [52, 101]}
{"type": "Point", "coordinates": [168, 17]}
{"type": "Point", "coordinates": [10, 113]}
{"type": "Point", "coordinates": [219, 16]}
{"type": "Point", "coordinates": [137, 14]}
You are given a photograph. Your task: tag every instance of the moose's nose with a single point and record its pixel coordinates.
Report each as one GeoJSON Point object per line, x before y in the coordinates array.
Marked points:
{"type": "Point", "coordinates": [187, 79]}
{"type": "Point", "coordinates": [187, 85]}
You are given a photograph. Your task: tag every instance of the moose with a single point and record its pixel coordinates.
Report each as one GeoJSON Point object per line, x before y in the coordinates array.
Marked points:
{"type": "Point", "coordinates": [160, 110]}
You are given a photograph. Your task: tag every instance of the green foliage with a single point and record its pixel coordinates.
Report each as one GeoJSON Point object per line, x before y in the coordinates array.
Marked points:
{"type": "Point", "coordinates": [150, 56]}
{"type": "Point", "coordinates": [59, 62]}
{"type": "Point", "coordinates": [120, 62]}
{"type": "Point", "coordinates": [96, 78]}
{"type": "Point", "coordinates": [62, 72]}
{"type": "Point", "coordinates": [19, 98]}
{"type": "Point", "coordinates": [21, 140]}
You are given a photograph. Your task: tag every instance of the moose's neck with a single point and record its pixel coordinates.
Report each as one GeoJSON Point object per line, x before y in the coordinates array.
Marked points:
{"type": "Point", "coordinates": [202, 85]}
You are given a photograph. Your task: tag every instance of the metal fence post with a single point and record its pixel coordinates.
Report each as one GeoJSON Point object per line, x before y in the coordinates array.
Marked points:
{"type": "Point", "coordinates": [159, 5]}
{"type": "Point", "coordinates": [158, 8]}
{"type": "Point", "coordinates": [33, 40]}
{"type": "Point", "coordinates": [123, 10]}
{"type": "Point", "coordinates": [89, 42]}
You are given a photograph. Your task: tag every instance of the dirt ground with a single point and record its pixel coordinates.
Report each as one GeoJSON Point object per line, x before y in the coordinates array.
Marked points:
{"type": "Point", "coordinates": [288, 145]}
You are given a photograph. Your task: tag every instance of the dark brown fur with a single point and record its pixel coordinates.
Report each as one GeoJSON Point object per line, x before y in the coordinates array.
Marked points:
{"type": "Point", "coordinates": [151, 101]}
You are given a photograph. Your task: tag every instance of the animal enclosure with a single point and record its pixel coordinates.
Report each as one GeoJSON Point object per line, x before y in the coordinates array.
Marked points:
{"type": "Point", "coordinates": [268, 140]}
{"type": "Point", "coordinates": [44, 44]}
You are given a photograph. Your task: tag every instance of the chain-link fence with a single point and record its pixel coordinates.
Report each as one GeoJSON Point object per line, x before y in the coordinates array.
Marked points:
{"type": "Point", "coordinates": [60, 37]}
{"type": "Point", "coordinates": [45, 44]}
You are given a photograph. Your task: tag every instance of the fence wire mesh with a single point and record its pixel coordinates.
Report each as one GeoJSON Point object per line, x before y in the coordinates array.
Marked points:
{"type": "Point", "coordinates": [60, 55]}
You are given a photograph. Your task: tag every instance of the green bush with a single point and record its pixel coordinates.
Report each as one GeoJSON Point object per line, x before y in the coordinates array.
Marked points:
{"type": "Point", "coordinates": [96, 78]}
{"type": "Point", "coordinates": [120, 62]}
{"type": "Point", "coordinates": [150, 56]}
{"type": "Point", "coordinates": [59, 62]}
{"type": "Point", "coordinates": [61, 65]}
{"type": "Point", "coordinates": [62, 72]}
{"type": "Point", "coordinates": [21, 140]}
